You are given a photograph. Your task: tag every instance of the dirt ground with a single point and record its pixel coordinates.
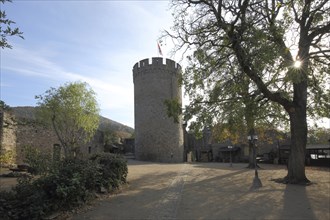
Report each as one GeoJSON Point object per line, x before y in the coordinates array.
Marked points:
{"type": "Point", "coordinates": [209, 191]}
{"type": "Point", "coordinates": [213, 191]}
{"type": "Point", "coordinates": [6, 183]}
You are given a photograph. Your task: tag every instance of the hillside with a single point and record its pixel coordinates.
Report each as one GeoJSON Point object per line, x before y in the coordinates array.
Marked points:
{"type": "Point", "coordinates": [114, 126]}
{"type": "Point", "coordinates": [27, 113]}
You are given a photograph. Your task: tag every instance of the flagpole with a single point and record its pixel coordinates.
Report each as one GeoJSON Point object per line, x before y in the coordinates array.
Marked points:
{"type": "Point", "coordinates": [160, 53]}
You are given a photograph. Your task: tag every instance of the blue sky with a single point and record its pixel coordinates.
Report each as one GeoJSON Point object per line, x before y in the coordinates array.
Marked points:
{"type": "Point", "coordinates": [97, 42]}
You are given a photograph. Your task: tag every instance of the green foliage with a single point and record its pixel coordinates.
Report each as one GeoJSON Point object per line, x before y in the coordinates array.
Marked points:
{"type": "Point", "coordinates": [6, 203]}
{"type": "Point", "coordinates": [3, 105]}
{"type": "Point", "coordinates": [220, 93]}
{"type": "Point", "coordinates": [39, 162]}
{"type": "Point", "coordinates": [260, 40]}
{"type": "Point", "coordinates": [61, 189]}
{"type": "Point", "coordinates": [70, 183]}
{"type": "Point", "coordinates": [244, 57]}
{"type": "Point", "coordinates": [174, 109]}
{"type": "Point", "coordinates": [318, 135]}
{"type": "Point", "coordinates": [25, 201]}
{"type": "Point", "coordinates": [222, 132]}
{"type": "Point", "coordinates": [110, 136]}
{"type": "Point", "coordinates": [73, 112]}
{"type": "Point", "coordinates": [113, 168]}
{"type": "Point", "coordinates": [256, 43]}
{"type": "Point", "coordinates": [6, 156]}
{"type": "Point", "coordinates": [6, 29]}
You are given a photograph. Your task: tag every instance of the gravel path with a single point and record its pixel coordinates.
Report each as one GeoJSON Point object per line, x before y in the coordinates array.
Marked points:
{"type": "Point", "coordinates": [213, 191]}
{"type": "Point", "coordinates": [167, 206]}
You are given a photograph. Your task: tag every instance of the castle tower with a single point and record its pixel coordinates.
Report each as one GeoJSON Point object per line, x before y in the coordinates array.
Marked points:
{"type": "Point", "coordinates": [157, 137]}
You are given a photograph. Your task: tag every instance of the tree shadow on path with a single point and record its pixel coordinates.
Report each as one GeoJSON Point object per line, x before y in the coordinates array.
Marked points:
{"type": "Point", "coordinates": [296, 204]}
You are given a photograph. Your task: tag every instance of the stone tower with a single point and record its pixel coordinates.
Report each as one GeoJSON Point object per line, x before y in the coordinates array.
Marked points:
{"type": "Point", "coordinates": [157, 137]}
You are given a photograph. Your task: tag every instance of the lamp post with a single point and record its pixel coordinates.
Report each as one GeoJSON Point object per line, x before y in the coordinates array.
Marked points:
{"type": "Point", "coordinates": [230, 149]}
{"type": "Point", "coordinates": [256, 181]}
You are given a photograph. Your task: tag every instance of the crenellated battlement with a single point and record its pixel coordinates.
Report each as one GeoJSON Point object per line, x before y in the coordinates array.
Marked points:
{"type": "Point", "coordinates": [162, 65]}
{"type": "Point", "coordinates": [156, 61]}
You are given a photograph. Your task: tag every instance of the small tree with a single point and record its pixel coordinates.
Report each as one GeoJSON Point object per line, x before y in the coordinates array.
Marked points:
{"type": "Point", "coordinates": [110, 137]}
{"type": "Point", "coordinates": [73, 112]}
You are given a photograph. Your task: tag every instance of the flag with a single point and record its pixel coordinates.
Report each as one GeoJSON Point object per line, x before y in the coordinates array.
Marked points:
{"type": "Point", "coordinates": [159, 49]}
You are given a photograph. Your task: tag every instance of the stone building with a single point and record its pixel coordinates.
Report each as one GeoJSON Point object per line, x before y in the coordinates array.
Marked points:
{"type": "Point", "coordinates": [18, 133]}
{"type": "Point", "coordinates": [198, 149]}
{"type": "Point", "coordinates": [20, 129]}
{"type": "Point", "coordinates": [157, 137]}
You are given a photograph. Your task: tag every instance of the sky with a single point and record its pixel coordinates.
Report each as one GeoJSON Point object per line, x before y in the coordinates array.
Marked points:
{"type": "Point", "coordinates": [93, 41]}
{"type": "Point", "coordinates": [97, 42]}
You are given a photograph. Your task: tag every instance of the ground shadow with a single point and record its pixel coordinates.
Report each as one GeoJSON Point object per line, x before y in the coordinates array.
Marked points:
{"type": "Point", "coordinates": [138, 200]}
{"type": "Point", "coordinates": [224, 196]}
{"type": "Point", "coordinates": [211, 191]}
{"type": "Point", "coordinates": [296, 204]}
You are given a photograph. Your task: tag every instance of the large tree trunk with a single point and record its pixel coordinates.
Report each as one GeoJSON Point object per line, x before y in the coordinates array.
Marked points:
{"type": "Point", "coordinates": [298, 117]}
{"type": "Point", "coordinates": [296, 166]}
{"type": "Point", "coordinates": [252, 157]}
{"type": "Point", "coordinates": [298, 126]}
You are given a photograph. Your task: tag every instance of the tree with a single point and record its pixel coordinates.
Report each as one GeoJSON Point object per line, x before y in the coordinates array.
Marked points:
{"type": "Point", "coordinates": [318, 135]}
{"type": "Point", "coordinates": [73, 112]}
{"type": "Point", "coordinates": [3, 106]}
{"type": "Point", "coordinates": [227, 98]}
{"type": "Point", "coordinates": [110, 136]}
{"type": "Point", "coordinates": [6, 30]}
{"type": "Point", "coordinates": [256, 35]}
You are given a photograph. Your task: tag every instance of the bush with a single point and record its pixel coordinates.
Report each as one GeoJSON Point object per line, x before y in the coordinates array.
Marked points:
{"type": "Point", "coordinates": [25, 201]}
{"type": "Point", "coordinates": [69, 184]}
{"type": "Point", "coordinates": [39, 162]}
{"type": "Point", "coordinates": [72, 183]}
{"type": "Point", "coordinates": [6, 157]}
{"type": "Point", "coordinates": [113, 168]}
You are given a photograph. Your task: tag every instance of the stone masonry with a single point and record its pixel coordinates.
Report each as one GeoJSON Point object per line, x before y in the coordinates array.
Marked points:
{"type": "Point", "coordinates": [18, 133]}
{"type": "Point", "coordinates": [157, 137]}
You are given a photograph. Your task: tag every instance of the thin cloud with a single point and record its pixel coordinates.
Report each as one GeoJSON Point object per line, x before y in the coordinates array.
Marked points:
{"type": "Point", "coordinates": [94, 42]}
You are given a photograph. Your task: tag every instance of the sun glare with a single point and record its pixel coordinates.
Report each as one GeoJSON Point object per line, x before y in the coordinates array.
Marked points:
{"type": "Point", "coordinates": [297, 64]}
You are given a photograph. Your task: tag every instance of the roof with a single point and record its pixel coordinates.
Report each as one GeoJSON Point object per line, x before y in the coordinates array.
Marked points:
{"type": "Point", "coordinates": [309, 146]}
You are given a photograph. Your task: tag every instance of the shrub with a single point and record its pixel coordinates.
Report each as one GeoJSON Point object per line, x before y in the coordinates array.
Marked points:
{"type": "Point", "coordinates": [6, 157]}
{"type": "Point", "coordinates": [25, 201]}
{"type": "Point", "coordinates": [69, 184]}
{"type": "Point", "coordinates": [72, 183]}
{"type": "Point", "coordinates": [113, 168]}
{"type": "Point", "coordinates": [39, 162]}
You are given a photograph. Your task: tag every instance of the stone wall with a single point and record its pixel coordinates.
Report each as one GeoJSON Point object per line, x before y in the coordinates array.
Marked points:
{"type": "Point", "coordinates": [8, 136]}
{"type": "Point", "coordinates": [34, 135]}
{"type": "Point", "coordinates": [16, 134]}
{"type": "Point", "coordinates": [157, 137]}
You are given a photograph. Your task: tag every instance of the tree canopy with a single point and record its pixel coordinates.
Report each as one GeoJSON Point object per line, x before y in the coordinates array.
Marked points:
{"type": "Point", "coordinates": [6, 29]}
{"type": "Point", "coordinates": [263, 39]}
{"type": "Point", "coordinates": [73, 112]}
